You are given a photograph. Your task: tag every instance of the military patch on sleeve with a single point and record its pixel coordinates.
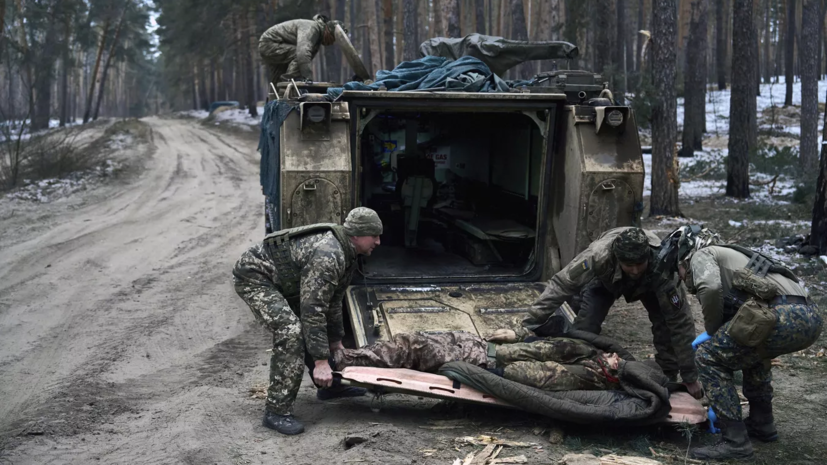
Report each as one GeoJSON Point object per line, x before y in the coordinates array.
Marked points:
{"type": "Point", "coordinates": [675, 299]}
{"type": "Point", "coordinates": [578, 269]}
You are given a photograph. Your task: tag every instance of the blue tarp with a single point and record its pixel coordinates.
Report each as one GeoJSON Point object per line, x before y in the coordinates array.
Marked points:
{"type": "Point", "coordinates": [467, 74]}
{"type": "Point", "coordinates": [275, 112]}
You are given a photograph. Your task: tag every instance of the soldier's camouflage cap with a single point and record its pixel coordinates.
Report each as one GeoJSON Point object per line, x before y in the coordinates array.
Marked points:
{"type": "Point", "coordinates": [631, 246]}
{"type": "Point", "coordinates": [363, 221]}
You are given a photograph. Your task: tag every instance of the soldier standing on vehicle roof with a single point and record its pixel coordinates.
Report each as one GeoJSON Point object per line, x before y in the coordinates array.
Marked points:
{"type": "Point", "coordinates": [294, 282]}
{"type": "Point", "coordinates": [754, 310]}
{"type": "Point", "coordinates": [288, 48]}
{"type": "Point", "coordinates": [619, 263]}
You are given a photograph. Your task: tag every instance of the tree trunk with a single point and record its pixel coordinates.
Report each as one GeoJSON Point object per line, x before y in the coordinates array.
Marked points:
{"type": "Point", "coordinates": [94, 76]}
{"type": "Point", "coordinates": [409, 25]}
{"type": "Point", "coordinates": [742, 102]}
{"type": "Point", "coordinates": [387, 19]}
{"type": "Point", "coordinates": [64, 77]}
{"type": "Point", "coordinates": [519, 32]}
{"type": "Point", "coordinates": [109, 58]}
{"type": "Point", "coordinates": [641, 26]}
{"type": "Point", "coordinates": [247, 48]}
{"type": "Point", "coordinates": [620, 51]}
{"type": "Point", "coordinates": [373, 36]}
{"type": "Point", "coordinates": [721, 41]}
{"type": "Point", "coordinates": [695, 80]}
{"type": "Point", "coordinates": [479, 16]}
{"type": "Point", "coordinates": [818, 231]}
{"type": "Point", "coordinates": [767, 68]}
{"type": "Point", "coordinates": [665, 182]}
{"type": "Point", "coordinates": [450, 17]}
{"type": "Point", "coordinates": [43, 76]}
{"type": "Point", "coordinates": [332, 56]}
{"type": "Point", "coordinates": [810, 38]}
{"type": "Point", "coordinates": [603, 36]}
{"type": "Point", "coordinates": [789, 55]}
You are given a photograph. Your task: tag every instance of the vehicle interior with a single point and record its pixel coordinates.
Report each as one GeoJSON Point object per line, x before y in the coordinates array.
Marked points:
{"type": "Point", "coordinates": [457, 192]}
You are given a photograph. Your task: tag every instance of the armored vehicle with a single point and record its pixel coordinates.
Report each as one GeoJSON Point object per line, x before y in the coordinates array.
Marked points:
{"type": "Point", "coordinates": [483, 194]}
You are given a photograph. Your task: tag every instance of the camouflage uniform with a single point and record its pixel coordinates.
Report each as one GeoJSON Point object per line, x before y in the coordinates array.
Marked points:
{"type": "Point", "coordinates": [557, 364]}
{"type": "Point", "coordinates": [306, 324]}
{"type": "Point", "coordinates": [597, 274]}
{"type": "Point", "coordinates": [288, 48]}
{"type": "Point", "coordinates": [710, 275]}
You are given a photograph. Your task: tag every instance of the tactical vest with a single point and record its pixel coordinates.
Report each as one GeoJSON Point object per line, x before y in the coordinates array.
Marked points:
{"type": "Point", "coordinates": [277, 245]}
{"type": "Point", "coordinates": [755, 271]}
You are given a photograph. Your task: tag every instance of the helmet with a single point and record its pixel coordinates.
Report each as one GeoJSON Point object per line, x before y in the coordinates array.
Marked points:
{"type": "Point", "coordinates": [681, 243]}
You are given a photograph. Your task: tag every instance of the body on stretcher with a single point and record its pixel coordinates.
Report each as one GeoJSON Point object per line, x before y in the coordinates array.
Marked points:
{"type": "Point", "coordinates": [685, 408]}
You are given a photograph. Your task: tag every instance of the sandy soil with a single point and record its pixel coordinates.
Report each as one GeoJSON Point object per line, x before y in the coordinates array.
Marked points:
{"type": "Point", "coordinates": [122, 341]}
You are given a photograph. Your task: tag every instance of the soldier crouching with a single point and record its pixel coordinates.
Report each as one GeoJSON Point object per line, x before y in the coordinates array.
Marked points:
{"type": "Point", "coordinates": [294, 282]}
{"type": "Point", "coordinates": [754, 310]}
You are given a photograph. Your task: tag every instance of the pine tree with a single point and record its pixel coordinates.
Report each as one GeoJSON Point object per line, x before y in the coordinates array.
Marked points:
{"type": "Point", "coordinates": [665, 183]}
{"type": "Point", "coordinates": [742, 101]}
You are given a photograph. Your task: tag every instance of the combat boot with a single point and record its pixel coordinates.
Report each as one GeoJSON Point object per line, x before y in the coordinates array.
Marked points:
{"type": "Point", "coordinates": [284, 424]}
{"type": "Point", "coordinates": [339, 392]}
{"type": "Point", "coordinates": [733, 445]}
{"type": "Point", "coordinates": [760, 424]}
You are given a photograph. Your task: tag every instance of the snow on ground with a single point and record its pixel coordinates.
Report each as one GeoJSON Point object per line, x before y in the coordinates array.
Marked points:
{"type": "Point", "coordinates": [198, 114]}
{"type": "Point", "coordinates": [50, 190]}
{"type": "Point", "coordinates": [234, 116]}
{"type": "Point", "coordinates": [120, 141]}
{"type": "Point", "coordinates": [13, 128]}
{"type": "Point", "coordinates": [717, 106]}
{"type": "Point", "coordinates": [696, 188]}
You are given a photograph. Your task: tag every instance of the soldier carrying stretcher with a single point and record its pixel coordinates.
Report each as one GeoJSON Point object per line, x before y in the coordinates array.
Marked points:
{"type": "Point", "coordinates": [619, 263]}
{"type": "Point", "coordinates": [754, 310]}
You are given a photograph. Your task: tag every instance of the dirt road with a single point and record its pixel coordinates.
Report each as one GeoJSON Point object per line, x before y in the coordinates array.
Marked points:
{"type": "Point", "coordinates": [122, 341]}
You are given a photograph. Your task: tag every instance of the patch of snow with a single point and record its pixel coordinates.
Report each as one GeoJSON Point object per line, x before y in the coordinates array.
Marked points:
{"type": "Point", "coordinates": [13, 128]}
{"type": "Point", "coordinates": [773, 252]}
{"type": "Point", "coordinates": [239, 117]}
{"type": "Point", "coordinates": [823, 259]}
{"type": "Point", "coordinates": [198, 114]}
{"type": "Point", "coordinates": [50, 190]}
{"type": "Point", "coordinates": [120, 141]}
{"type": "Point", "coordinates": [790, 224]}
{"type": "Point", "coordinates": [717, 105]}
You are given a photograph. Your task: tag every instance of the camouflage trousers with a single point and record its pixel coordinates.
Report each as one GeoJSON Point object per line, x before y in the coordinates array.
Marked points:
{"type": "Point", "coordinates": [797, 327]}
{"type": "Point", "coordinates": [417, 351]}
{"type": "Point", "coordinates": [557, 364]}
{"type": "Point", "coordinates": [289, 358]}
{"type": "Point", "coordinates": [596, 301]}
{"type": "Point", "coordinates": [280, 61]}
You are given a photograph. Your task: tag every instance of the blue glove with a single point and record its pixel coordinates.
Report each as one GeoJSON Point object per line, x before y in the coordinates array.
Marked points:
{"type": "Point", "coordinates": [712, 419]}
{"type": "Point", "coordinates": [703, 337]}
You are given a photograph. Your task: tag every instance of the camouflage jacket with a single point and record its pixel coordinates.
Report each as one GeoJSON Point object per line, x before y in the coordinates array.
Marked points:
{"type": "Point", "coordinates": [302, 35]}
{"type": "Point", "coordinates": [710, 276]}
{"type": "Point", "coordinates": [598, 262]}
{"type": "Point", "coordinates": [324, 277]}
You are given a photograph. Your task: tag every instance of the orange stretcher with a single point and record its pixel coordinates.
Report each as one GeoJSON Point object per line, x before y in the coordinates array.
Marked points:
{"type": "Point", "coordinates": [685, 408]}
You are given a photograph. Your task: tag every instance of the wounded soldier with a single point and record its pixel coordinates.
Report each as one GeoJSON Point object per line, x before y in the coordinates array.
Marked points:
{"type": "Point", "coordinates": [554, 364]}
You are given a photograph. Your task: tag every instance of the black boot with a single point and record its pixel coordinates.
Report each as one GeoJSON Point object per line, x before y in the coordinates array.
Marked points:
{"type": "Point", "coordinates": [339, 392]}
{"type": "Point", "coordinates": [760, 424]}
{"type": "Point", "coordinates": [284, 424]}
{"type": "Point", "coordinates": [733, 445]}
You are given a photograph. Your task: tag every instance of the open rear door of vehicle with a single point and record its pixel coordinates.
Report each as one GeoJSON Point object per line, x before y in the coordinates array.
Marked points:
{"type": "Point", "coordinates": [382, 311]}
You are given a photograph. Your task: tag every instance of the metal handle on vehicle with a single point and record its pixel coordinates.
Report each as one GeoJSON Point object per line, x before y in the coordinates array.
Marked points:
{"type": "Point", "coordinates": [309, 186]}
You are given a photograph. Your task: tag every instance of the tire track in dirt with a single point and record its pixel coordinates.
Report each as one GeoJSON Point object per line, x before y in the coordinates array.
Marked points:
{"type": "Point", "coordinates": [135, 303]}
